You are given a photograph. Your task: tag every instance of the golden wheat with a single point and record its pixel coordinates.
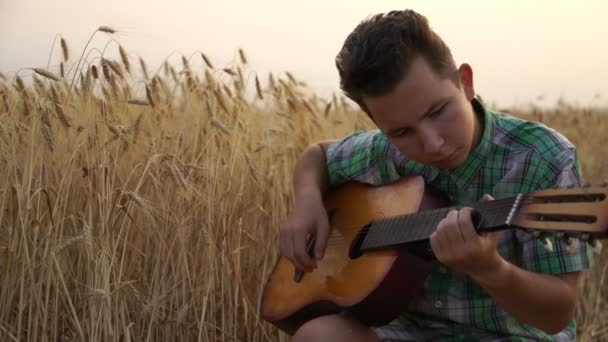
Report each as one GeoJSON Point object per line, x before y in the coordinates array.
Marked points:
{"type": "Point", "coordinates": [124, 58]}
{"type": "Point", "coordinates": [207, 61]}
{"type": "Point", "coordinates": [64, 49]}
{"type": "Point", "coordinates": [106, 29]}
{"type": "Point", "coordinates": [152, 228]}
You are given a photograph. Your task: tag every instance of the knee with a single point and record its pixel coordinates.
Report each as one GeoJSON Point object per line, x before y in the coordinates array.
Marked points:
{"type": "Point", "coordinates": [318, 329]}
{"type": "Point", "coordinates": [332, 328]}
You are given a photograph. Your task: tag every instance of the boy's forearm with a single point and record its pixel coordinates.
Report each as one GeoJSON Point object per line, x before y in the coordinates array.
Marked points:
{"type": "Point", "coordinates": [310, 175]}
{"type": "Point", "coordinates": [541, 300]}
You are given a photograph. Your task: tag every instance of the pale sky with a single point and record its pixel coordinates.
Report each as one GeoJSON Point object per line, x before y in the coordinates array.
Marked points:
{"type": "Point", "coordinates": [518, 49]}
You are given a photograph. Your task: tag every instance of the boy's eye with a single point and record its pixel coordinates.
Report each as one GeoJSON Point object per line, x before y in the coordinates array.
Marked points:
{"type": "Point", "coordinates": [437, 112]}
{"type": "Point", "coordinates": [403, 133]}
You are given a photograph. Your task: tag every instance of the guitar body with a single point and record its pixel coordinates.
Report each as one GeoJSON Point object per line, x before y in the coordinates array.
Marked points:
{"type": "Point", "coordinates": [375, 287]}
{"type": "Point", "coordinates": [382, 276]}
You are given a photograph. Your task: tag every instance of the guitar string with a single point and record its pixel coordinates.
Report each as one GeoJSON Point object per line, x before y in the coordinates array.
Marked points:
{"type": "Point", "coordinates": [439, 213]}
{"type": "Point", "coordinates": [485, 206]}
{"type": "Point", "coordinates": [433, 215]}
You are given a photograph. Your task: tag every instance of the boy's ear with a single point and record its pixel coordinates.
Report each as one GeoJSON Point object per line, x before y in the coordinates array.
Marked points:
{"type": "Point", "coordinates": [466, 80]}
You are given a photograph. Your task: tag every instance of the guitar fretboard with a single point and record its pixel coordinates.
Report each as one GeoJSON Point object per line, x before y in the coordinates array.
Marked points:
{"type": "Point", "coordinates": [416, 227]}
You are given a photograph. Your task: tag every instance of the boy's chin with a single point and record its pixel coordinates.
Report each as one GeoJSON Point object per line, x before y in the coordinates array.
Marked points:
{"type": "Point", "coordinates": [452, 162]}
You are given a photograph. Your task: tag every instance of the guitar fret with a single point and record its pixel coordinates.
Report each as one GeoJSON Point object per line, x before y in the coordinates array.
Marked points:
{"type": "Point", "coordinates": [399, 230]}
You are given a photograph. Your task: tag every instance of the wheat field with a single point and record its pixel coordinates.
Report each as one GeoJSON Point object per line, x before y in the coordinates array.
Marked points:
{"type": "Point", "coordinates": [143, 204]}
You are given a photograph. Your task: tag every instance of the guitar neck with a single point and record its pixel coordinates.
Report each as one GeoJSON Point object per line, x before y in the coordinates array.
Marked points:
{"type": "Point", "coordinates": [417, 227]}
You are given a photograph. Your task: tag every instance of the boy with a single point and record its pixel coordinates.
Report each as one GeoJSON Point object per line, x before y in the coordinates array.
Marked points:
{"type": "Point", "coordinates": [499, 286]}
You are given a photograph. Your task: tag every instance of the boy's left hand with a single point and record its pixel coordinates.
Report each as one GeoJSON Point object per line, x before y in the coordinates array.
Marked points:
{"type": "Point", "coordinates": [456, 244]}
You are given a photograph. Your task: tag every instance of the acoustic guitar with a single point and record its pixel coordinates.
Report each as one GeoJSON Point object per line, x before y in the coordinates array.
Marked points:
{"type": "Point", "coordinates": [378, 254]}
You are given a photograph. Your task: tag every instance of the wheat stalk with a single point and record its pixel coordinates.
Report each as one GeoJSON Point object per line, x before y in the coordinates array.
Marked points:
{"type": "Point", "coordinates": [46, 128]}
{"type": "Point", "coordinates": [94, 72]}
{"type": "Point", "coordinates": [185, 64]}
{"type": "Point", "coordinates": [207, 61]}
{"type": "Point", "coordinates": [220, 100]}
{"type": "Point", "coordinates": [106, 29]}
{"type": "Point", "coordinates": [291, 77]}
{"type": "Point", "coordinates": [19, 85]}
{"type": "Point", "coordinates": [3, 92]}
{"type": "Point", "coordinates": [138, 102]}
{"type": "Point", "coordinates": [124, 58]}
{"type": "Point", "coordinates": [63, 118]}
{"type": "Point", "coordinates": [113, 66]}
{"type": "Point", "coordinates": [150, 96]}
{"type": "Point", "coordinates": [105, 69]}
{"type": "Point", "coordinates": [217, 124]}
{"type": "Point", "coordinates": [258, 88]}
{"type": "Point", "coordinates": [144, 68]}
{"type": "Point", "coordinates": [242, 56]}
{"type": "Point", "coordinates": [46, 74]}
{"type": "Point", "coordinates": [210, 80]}
{"type": "Point", "coordinates": [64, 49]}
{"type": "Point", "coordinates": [229, 71]}
{"type": "Point", "coordinates": [227, 90]}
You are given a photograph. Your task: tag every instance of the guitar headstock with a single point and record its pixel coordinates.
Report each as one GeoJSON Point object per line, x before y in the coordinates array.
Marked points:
{"type": "Point", "coordinates": [567, 213]}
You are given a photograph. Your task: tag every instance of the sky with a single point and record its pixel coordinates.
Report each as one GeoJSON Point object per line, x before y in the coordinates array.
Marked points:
{"type": "Point", "coordinates": [520, 51]}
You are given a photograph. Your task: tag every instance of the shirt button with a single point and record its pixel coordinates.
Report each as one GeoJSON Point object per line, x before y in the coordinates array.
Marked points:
{"type": "Point", "coordinates": [438, 304]}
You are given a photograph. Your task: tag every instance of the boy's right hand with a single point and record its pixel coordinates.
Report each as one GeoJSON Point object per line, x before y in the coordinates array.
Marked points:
{"type": "Point", "coordinates": [308, 219]}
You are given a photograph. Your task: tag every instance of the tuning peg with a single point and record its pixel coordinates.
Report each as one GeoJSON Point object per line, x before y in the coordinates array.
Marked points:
{"type": "Point", "coordinates": [586, 185]}
{"type": "Point", "coordinates": [536, 233]}
{"type": "Point", "coordinates": [596, 245]}
{"type": "Point", "coordinates": [560, 235]}
{"type": "Point", "coordinates": [584, 237]}
{"type": "Point", "coordinates": [548, 245]}
{"type": "Point", "coordinates": [605, 183]}
{"type": "Point", "coordinates": [572, 244]}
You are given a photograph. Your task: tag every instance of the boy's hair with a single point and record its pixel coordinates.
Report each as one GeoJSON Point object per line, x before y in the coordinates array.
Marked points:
{"type": "Point", "coordinates": [380, 50]}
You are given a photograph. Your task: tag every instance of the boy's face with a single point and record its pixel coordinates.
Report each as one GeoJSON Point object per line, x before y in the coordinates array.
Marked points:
{"type": "Point", "coordinates": [427, 118]}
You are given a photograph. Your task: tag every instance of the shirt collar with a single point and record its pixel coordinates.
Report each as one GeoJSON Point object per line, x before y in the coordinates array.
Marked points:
{"type": "Point", "coordinates": [463, 174]}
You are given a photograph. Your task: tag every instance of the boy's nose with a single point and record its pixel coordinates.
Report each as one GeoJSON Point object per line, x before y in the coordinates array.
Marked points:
{"type": "Point", "coordinates": [431, 139]}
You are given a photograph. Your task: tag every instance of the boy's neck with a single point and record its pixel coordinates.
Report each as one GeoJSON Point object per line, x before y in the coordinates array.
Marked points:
{"type": "Point", "coordinates": [478, 112]}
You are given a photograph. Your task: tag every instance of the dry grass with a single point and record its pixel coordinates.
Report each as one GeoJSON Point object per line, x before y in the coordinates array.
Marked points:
{"type": "Point", "coordinates": [129, 219]}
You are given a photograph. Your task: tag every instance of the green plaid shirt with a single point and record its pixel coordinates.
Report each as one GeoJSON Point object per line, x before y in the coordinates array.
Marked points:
{"type": "Point", "coordinates": [514, 156]}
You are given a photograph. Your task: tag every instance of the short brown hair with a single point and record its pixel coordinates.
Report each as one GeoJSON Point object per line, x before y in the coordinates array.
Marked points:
{"type": "Point", "coordinates": [379, 52]}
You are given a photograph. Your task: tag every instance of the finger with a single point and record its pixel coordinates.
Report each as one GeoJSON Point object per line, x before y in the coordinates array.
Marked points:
{"type": "Point", "coordinates": [284, 241]}
{"type": "Point", "coordinates": [285, 244]}
{"type": "Point", "coordinates": [487, 197]}
{"type": "Point", "coordinates": [492, 236]}
{"type": "Point", "coordinates": [322, 237]}
{"type": "Point", "coordinates": [435, 246]}
{"type": "Point", "coordinates": [438, 245]}
{"type": "Point", "coordinates": [301, 256]}
{"type": "Point", "coordinates": [465, 223]}
{"type": "Point", "coordinates": [292, 252]}
{"type": "Point", "coordinates": [451, 233]}
{"type": "Point", "coordinates": [457, 236]}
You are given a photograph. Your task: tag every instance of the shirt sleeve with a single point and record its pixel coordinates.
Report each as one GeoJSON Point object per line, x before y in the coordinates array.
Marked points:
{"type": "Point", "coordinates": [364, 156]}
{"type": "Point", "coordinates": [563, 173]}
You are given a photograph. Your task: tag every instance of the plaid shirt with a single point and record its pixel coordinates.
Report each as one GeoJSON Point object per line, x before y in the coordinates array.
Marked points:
{"type": "Point", "coordinates": [513, 156]}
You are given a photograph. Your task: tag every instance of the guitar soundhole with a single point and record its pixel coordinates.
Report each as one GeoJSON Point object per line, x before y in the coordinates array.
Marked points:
{"type": "Point", "coordinates": [560, 217]}
{"type": "Point", "coordinates": [331, 215]}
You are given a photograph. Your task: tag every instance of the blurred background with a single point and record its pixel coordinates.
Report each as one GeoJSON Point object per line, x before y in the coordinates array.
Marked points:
{"type": "Point", "coordinates": [145, 179]}
{"type": "Point", "coordinates": [521, 51]}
